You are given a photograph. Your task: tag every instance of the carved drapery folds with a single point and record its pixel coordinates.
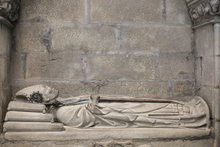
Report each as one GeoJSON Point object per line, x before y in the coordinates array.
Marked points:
{"type": "Point", "coordinates": [204, 11]}
{"type": "Point", "coordinates": [9, 9]}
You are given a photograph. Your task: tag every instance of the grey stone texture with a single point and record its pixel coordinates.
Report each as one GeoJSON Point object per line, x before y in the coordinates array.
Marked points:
{"type": "Point", "coordinates": [126, 11]}
{"type": "Point", "coordinates": [205, 64]}
{"type": "Point", "coordinates": [53, 11]}
{"type": "Point", "coordinates": [121, 67]}
{"type": "Point", "coordinates": [31, 33]}
{"type": "Point", "coordinates": [120, 47]}
{"type": "Point", "coordinates": [176, 12]}
{"type": "Point", "coordinates": [156, 38]}
{"type": "Point", "coordinates": [53, 66]}
{"type": "Point", "coordinates": [204, 41]}
{"type": "Point", "coordinates": [176, 66]}
{"type": "Point", "coordinates": [5, 46]}
{"type": "Point", "coordinates": [138, 48]}
{"type": "Point", "coordinates": [84, 37]}
{"type": "Point", "coordinates": [129, 143]}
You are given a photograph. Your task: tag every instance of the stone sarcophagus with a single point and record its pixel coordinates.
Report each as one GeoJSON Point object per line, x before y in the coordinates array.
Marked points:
{"type": "Point", "coordinates": [39, 110]}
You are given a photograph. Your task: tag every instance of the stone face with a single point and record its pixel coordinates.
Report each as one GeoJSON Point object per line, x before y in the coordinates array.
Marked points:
{"type": "Point", "coordinates": [154, 38]}
{"type": "Point", "coordinates": [63, 10]}
{"type": "Point", "coordinates": [54, 66]}
{"type": "Point", "coordinates": [84, 38]}
{"type": "Point", "coordinates": [176, 66]}
{"type": "Point", "coordinates": [204, 37]}
{"type": "Point", "coordinates": [28, 38]}
{"type": "Point", "coordinates": [126, 11]}
{"type": "Point", "coordinates": [176, 12]}
{"type": "Point", "coordinates": [121, 67]}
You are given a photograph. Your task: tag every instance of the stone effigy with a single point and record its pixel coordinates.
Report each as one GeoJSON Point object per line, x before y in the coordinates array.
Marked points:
{"type": "Point", "coordinates": [43, 105]}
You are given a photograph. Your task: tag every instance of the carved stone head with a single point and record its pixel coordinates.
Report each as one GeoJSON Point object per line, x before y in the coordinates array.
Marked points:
{"type": "Point", "coordinates": [215, 5]}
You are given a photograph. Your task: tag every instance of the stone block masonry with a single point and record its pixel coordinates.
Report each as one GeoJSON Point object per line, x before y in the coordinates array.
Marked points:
{"type": "Point", "coordinates": [122, 47]}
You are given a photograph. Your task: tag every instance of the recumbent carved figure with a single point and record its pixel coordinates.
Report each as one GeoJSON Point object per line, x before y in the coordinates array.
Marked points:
{"type": "Point", "coordinates": [95, 111]}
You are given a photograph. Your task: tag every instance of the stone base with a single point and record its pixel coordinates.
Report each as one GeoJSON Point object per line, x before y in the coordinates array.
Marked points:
{"type": "Point", "coordinates": [97, 134]}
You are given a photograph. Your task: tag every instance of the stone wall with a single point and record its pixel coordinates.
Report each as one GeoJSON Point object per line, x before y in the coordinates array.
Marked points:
{"type": "Point", "coordinates": [5, 37]}
{"type": "Point", "coordinates": [205, 66]}
{"type": "Point", "coordinates": [127, 47]}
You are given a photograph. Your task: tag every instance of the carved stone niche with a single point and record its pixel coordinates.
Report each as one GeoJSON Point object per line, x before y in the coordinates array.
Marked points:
{"type": "Point", "coordinates": [38, 113]}
{"type": "Point", "coordinates": [204, 11]}
{"type": "Point", "coordinates": [9, 11]}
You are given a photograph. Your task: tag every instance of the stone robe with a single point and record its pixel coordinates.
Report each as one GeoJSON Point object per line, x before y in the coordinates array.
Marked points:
{"type": "Point", "coordinates": [83, 114]}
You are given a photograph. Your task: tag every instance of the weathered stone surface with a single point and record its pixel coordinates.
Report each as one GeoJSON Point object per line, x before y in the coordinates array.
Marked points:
{"type": "Point", "coordinates": [176, 66]}
{"type": "Point", "coordinates": [9, 10]}
{"type": "Point", "coordinates": [83, 134]}
{"type": "Point", "coordinates": [183, 88]}
{"type": "Point", "coordinates": [88, 37]}
{"type": "Point", "coordinates": [113, 144]}
{"type": "Point", "coordinates": [81, 143]}
{"type": "Point", "coordinates": [137, 89]}
{"type": "Point", "coordinates": [126, 11]}
{"type": "Point", "coordinates": [204, 37]}
{"type": "Point", "coordinates": [203, 12]}
{"type": "Point", "coordinates": [66, 88]}
{"type": "Point", "coordinates": [28, 117]}
{"type": "Point", "coordinates": [29, 36]}
{"type": "Point", "coordinates": [32, 126]}
{"type": "Point", "coordinates": [5, 39]}
{"type": "Point", "coordinates": [136, 143]}
{"type": "Point", "coordinates": [183, 143]}
{"type": "Point", "coordinates": [205, 71]}
{"type": "Point", "coordinates": [54, 66]}
{"type": "Point", "coordinates": [53, 11]}
{"type": "Point", "coordinates": [207, 93]}
{"type": "Point", "coordinates": [3, 71]}
{"type": "Point", "coordinates": [117, 43]}
{"type": "Point", "coordinates": [1, 112]}
{"type": "Point", "coordinates": [4, 99]}
{"type": "Point", "coordinates": [154, 38]}
{"type": "Point", "coordinates": [27, 107]}
{"type": "Point", "coordinates": [17, 66]}
{"type": "Point", "coordinates": [121, 67]}
{"type": "Point", "coordinates": [176, 12]}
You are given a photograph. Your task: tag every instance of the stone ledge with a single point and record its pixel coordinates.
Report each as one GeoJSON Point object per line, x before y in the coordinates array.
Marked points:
{"type": "Point", "coordinates": [98, 133]}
